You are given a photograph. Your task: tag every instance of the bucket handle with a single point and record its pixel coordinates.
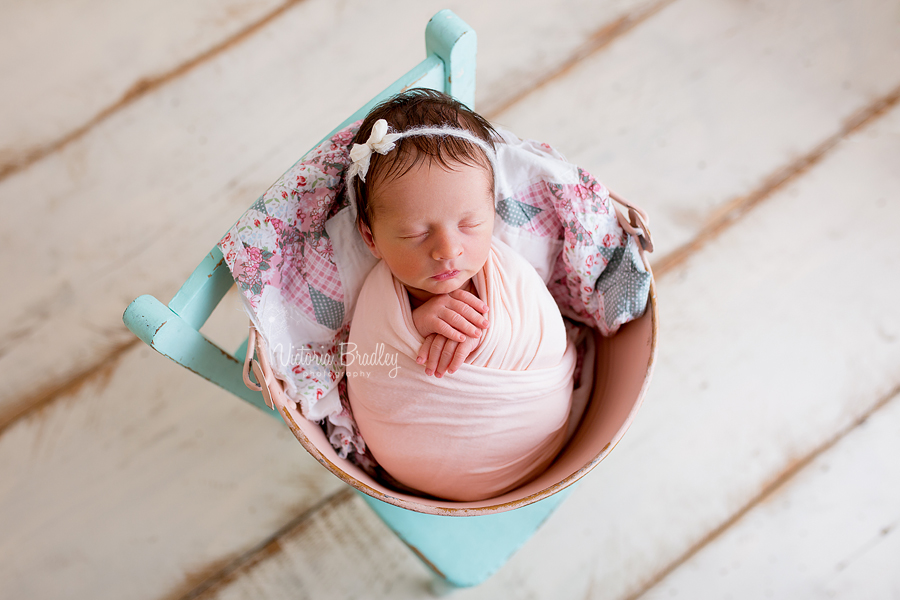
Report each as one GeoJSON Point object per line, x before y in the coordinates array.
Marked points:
{"type": "Point", "coordinates": [260, 369]}
{"type": "Point", "coordinates": [637, 224]}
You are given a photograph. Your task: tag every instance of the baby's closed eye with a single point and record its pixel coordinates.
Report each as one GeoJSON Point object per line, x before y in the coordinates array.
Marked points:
{"type": "Point", "coordinates": [471, 224]}
{"type": "Point", "coordinates": [416, 235]}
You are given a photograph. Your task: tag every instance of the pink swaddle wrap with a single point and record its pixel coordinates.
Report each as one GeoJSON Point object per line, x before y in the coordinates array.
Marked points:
{"type": "Point", "coordinates": [491, 426]}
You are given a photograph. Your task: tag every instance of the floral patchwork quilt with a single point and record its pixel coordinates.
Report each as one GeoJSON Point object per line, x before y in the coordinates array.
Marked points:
{"type": "Point", "coordinates": [299, 262]}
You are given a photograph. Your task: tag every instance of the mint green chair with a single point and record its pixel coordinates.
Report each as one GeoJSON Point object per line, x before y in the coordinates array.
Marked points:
{"type": "Point", "coordinates": [461, 550]}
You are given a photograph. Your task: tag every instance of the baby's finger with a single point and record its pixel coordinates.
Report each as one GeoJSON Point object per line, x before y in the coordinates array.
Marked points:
{"type": "Point", "coordinates": [463, 326]}
{"type": "Point", "coordinates": [462, 352]}
{"type": "Point", "coordinates": [434, 354]}
{"type": "Point", "coordinates": [467, 314]}
{"type": "Point", "coordinates": [470, 299]}
{"type": "Point", "coordinates": [424, 348]}
{"type": "Point", "coordinates": [446, 357]}
{"type": "Point", "coordinates": [446, 329]}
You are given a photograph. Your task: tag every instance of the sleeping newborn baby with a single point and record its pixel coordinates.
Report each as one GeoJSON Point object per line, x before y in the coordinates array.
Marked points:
{"type": "Point", "coordinates": [472, 394]}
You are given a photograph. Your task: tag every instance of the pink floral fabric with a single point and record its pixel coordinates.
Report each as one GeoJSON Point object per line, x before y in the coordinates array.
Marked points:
{"type": "Point", "coordinates": [283, 262]}
{"type": "Point", "coordinates": [594, 270]}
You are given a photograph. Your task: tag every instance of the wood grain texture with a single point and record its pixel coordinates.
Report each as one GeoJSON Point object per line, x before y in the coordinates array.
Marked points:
{"type": "Point", "coordinates": [830, 532]}
{"type": "Point", "coordinates": [697, 107]}
{"type": "Point", "coordinates": [65, 63]}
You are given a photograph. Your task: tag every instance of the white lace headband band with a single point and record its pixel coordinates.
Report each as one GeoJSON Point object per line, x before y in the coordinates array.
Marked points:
{"type": "Point", "coordinates": [382, 142]}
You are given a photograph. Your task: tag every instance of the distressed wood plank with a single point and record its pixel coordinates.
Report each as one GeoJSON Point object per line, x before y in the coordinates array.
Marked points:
{"type": "Point", "coordinates": [520, 48]}
{"type": "Point", "coordinates": [831, 532]}
{"type": "Point", "coordinates": [142, 483]}
{"type": "Point", "coordinates": [70, 78]}
{"type": "Point", "coordinates": [62, 63]}
{"type": "Point", "coordinates": [132, 206]}
{"type": "Point", "coordinates": [773, 338]}
{"type": "Point", "coordinates": [318, 559]}
{"type": "Point", "coordinates": [698, 106]}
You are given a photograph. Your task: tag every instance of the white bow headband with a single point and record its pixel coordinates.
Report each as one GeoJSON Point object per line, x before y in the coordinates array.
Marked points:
{"type": "Point", "coordinates": [382, 142]}
{"type": "Point", "coordinates": [379, 141]}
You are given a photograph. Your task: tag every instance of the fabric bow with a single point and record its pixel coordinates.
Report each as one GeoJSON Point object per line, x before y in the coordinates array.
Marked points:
{"type": "Point", "coordinates": [379, 141]}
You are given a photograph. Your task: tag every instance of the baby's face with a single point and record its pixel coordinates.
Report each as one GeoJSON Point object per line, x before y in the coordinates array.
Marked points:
{"type": "Point", "coordinates": [432, 226]}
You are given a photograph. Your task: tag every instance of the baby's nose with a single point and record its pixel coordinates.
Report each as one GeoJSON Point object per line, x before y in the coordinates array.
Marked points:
{"type": "Point", "coordinates": [446, 247]}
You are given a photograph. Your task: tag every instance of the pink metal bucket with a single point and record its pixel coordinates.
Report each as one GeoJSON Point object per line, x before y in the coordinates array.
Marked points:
{"type": "Point", "coordinates": [622, 371]}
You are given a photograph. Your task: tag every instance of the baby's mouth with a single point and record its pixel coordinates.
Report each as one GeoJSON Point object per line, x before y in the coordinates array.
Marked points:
{"type": "Point", "coordinates": [445, 275]}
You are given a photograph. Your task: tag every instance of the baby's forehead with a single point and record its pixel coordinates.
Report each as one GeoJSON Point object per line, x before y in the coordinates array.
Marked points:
{"type": "Point", "coordinates": [459, 189]}
{"type": "Point", "coordinates": [402, 176]}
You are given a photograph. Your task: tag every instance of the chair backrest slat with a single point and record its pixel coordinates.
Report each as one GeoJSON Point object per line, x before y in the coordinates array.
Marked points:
{"type": "Point", "coordinates": [203, 290]}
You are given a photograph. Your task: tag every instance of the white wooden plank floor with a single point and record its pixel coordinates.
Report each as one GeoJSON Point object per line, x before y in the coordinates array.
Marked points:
{"type": "Point", "coordinates": [829, 532]}
{"type": "Point", "coordinates": [762, 136]}
{"type": "Point", "coordinates": [65, 63]}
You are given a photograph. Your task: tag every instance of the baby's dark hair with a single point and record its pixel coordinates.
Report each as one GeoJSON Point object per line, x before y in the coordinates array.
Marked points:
{"type": "Point", "coordinates": [421, 108]}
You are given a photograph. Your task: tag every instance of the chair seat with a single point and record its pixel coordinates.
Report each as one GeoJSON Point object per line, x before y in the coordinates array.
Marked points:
{"type": "Point", "coordinates": [465, 551]}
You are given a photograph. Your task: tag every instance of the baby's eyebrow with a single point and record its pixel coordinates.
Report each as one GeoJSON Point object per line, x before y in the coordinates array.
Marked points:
{"type": "Point", "coordinates": [408, 227]}
{"type": "Point", "coordinates": [473, 214]}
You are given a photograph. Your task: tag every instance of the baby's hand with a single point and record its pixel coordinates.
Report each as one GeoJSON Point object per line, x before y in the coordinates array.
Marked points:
{"type": "Point", "coordinates": [456, 316]}
{"type": "Point", "coordinates": [440, 355]}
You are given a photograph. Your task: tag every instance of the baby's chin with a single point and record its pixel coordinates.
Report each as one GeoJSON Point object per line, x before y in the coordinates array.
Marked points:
{"type": "Point", "coordinates": [437, 288]}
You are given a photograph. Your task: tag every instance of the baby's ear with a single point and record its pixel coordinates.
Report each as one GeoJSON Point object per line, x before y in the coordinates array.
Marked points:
{"type": "Point", "coordinates": [368, 238]}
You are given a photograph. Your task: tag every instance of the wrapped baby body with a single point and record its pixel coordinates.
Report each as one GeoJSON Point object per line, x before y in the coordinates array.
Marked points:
{"type": "Point", "coordinates": [495, 423]}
